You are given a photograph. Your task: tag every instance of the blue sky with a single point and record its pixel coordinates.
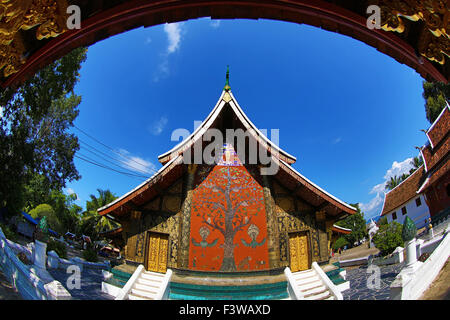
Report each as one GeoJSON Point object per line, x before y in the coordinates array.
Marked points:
{"type": "Point", "coordinates": [350, 114]}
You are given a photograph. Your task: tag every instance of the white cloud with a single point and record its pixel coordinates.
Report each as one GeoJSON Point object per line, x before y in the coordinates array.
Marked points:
{"type": "Point", "coordinates": [337, 140]}
{"type": "Point", "coordinates": [373, 207]}
{"type": "Point", "coordinates": [173, 31]}
{"type": "Point", "coordinates": [70, 191]}
{"type": "Point", "coordinates": [215, 23]}
{"type": "Point", "coordinates": [137, 164]}
{"type": "Point", "coordinates": [159, 125]}
{"type": "Point", "coordinates": [174, 34]}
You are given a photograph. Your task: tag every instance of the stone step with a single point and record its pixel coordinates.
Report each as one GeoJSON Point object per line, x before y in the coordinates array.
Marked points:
{"type": "Point", "coordinates": [149, 289]}
{"type": "Point", "coordinates": [320, 296]}
{"type": "Point", "coordinates": [142, 293]}
{"type": "Point", "coordinates": [149, 283]}
{"type": "Point", "coordinates": [136, 297]}
{"type": "Point", "coordinates": [151, 277]}
{"type": "Point", "coordinates": [308, 280]}
{"type": "Point", "coordinates": [155, 274]}
{"type": "Point", "coordinates": [305, 286]}
{"type": "Point", "coordinates": [315, 290]}
{"type": "Point", "coordinates": [304, 274]}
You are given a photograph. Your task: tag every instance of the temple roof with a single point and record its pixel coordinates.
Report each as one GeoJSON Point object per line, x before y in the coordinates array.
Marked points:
{"type": "Point", "coordinates": [404, 192]}
{"type": "Point", "coordinates": [436, 152]}
{"type": "Point", "coordinates": [226, 99]}
{"type": "Point", "coordinates": [174, 166]}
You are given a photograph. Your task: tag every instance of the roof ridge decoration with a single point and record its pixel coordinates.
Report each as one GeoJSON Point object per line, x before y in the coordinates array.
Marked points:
{"type": "Point", "coordinates": [226, 98]}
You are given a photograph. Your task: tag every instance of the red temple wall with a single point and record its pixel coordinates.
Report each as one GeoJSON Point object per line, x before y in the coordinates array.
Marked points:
{"type": "Point", "coordinates": [228, 221]}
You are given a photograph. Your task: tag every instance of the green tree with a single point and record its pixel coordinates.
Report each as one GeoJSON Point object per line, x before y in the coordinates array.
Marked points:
{"type": "Point", "coordinates": [393, 182]}
{"type": "Point", "coordinates": [92, 223]}
{"type": "Point", "coordinates": [388, 237]}
{"type": "Point", "coordinates": [416, 162]}
{"type": "Point", "coordinates": [356, 223]}
{"type": "Point", "coordinates": [436, 95]}
{"type": "Point", "coordinates": [46, 210]}
{"type": "Point", "coordinates": [33, 130]}
{"type": "Point", "coordinates": [340, 243]}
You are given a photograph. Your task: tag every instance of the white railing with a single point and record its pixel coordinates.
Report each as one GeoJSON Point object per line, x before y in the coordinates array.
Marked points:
{"type": "Point", "coordinates": [327, 282]}
{"type": "Point", "coordinates": [163, 293]}
{"type": "Point", "coordinates": [123, 295]}
{"type": "Point", "coordinates": [413, 287]}
{"type": "Point", "coordinates": [24, 279]}
{"type": "Point", "coordinates": [294, 291]}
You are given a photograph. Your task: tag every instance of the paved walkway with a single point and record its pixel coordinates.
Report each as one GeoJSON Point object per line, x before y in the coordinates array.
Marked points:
{"type": "Point", "coordinates": [91, 284]}
{"type": "Point", "coordinates": [362, 284]}
{"type": "Point", "coordinates": [7, 292]}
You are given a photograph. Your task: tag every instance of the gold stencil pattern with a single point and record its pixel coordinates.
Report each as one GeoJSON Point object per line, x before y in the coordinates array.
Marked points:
{"type": "Point", "coordinates": [49, 16]}
{"type": "Point", "coordinates": [435, 14]}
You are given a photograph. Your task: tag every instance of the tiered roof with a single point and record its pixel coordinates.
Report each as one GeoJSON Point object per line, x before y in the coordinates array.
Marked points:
{"type": "Point", "coordinates": [404, 192]}
{"type": "Point", "coordinates": [173, 167]}
{"type": "Point", "coordinates": [436, 152]}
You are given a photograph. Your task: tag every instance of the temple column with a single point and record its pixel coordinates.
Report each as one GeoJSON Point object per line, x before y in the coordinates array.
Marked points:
{"type": "Point", "coordinates": [185, 225]}
{"type": "Point", "coordinates": [272, 227]}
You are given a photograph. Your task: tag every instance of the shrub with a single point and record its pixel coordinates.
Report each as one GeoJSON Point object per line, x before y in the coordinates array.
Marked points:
{"type": "Point", "coordinates": [59, 247]}
{"type": "Point", "coordinates": [90, 255]}
{"type": "Point", "coordinates": [340, 243]}
{"type": "Point", "coordinates": [388, 237]}
{"type": "Point", "coordinates": [9, 234]}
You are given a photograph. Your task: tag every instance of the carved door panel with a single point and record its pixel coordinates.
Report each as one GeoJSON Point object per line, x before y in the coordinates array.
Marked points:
{"type": "Point", "coordinates": [299, 251]}
{"type": "Point", "coordinates": [157, 252]}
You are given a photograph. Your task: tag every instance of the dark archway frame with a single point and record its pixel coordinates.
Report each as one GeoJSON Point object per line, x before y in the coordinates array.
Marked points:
{"type": "Point", "coordinates": [137, 13]}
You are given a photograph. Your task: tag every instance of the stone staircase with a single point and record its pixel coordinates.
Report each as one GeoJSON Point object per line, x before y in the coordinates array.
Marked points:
{"type": "Point", "coordinates": [146, 286]}
{"type": "Point", "coordinates": [311, 284]}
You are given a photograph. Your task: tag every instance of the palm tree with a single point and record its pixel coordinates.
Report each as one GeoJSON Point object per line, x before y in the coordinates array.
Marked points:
{"type": "Point", "coordinates": [417, 162]}
{"type": "Point", "coordinates": [391, 184]}
{"type": "Point", "coordinates": [92, 223]}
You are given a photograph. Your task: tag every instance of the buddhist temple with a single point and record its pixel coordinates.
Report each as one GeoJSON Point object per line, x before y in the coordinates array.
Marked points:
{"type": "Point", "coordinates": [229, 216]}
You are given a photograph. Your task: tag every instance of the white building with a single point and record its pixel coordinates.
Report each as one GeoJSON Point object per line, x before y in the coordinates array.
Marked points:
{"type": "Point", "coordinates": [404, 201]}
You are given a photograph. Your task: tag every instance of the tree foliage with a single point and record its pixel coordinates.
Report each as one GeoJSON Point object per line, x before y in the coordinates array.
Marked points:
{"type": "Point", "coordinates": [340, 243]}
{"type": "Point", "coordinates": [92, 223]}
{"type": "Point", "coordinates": [357, 224]}
{"type": "Point", "coordinates": [33, 130]}
{"type": "Point", "coordinates": [388, 237]}
{"type": "Point", "coordinates": [46, 210]}
{"type": "Point", "coordinates": [436, 95]}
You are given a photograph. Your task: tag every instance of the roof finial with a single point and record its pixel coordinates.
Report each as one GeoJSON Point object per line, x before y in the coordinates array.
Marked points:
{"type": "Point", "coordinates": [227, 83]}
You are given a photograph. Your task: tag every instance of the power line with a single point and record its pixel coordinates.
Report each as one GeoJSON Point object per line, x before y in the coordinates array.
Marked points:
{"type": "Point", "coordinates": [112, 149]}
{"type": "Point", "coordinates": [109, 168]}
{"type": "Point", "coordinates": [104, 159]}
{"type": "Point", "coordinates": [96, 152]}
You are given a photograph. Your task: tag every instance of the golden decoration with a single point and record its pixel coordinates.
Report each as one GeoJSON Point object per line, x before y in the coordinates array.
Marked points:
{"type": "Point", "coordinates": [49, 16]}
{"type": "Point", "coordinates": [435, 14]}
{"type": "Point", "coordinates": [172, 203]}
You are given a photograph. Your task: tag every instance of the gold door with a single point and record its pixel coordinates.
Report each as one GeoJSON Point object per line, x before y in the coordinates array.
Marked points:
{"type": "Point", "coordinates": [157, 252]}
{"type": "Point", "coordinates": [299, 253]}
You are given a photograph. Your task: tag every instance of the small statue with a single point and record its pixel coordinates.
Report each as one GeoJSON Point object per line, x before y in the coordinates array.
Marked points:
{"type": "Point", "coordinates": [42, 230]}
{"type": "Point", "coordinates": [409, 229]}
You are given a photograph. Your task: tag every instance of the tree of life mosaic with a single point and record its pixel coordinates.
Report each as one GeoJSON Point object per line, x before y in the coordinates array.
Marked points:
{"type": "Point", "coordinates": [228, 219]}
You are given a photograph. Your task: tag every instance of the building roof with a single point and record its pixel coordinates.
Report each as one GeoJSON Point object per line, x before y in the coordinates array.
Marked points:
{"type": "Point", "coordinates": [436, 152]}
{"type": "Point", "coordinates": [226, 99]}
{"type": "Point", "coordinates": [173, 168]}
{"type": "Point", "coordinates": [404, 192]}
{"type": "Point", "coordinates": [342, 230]}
